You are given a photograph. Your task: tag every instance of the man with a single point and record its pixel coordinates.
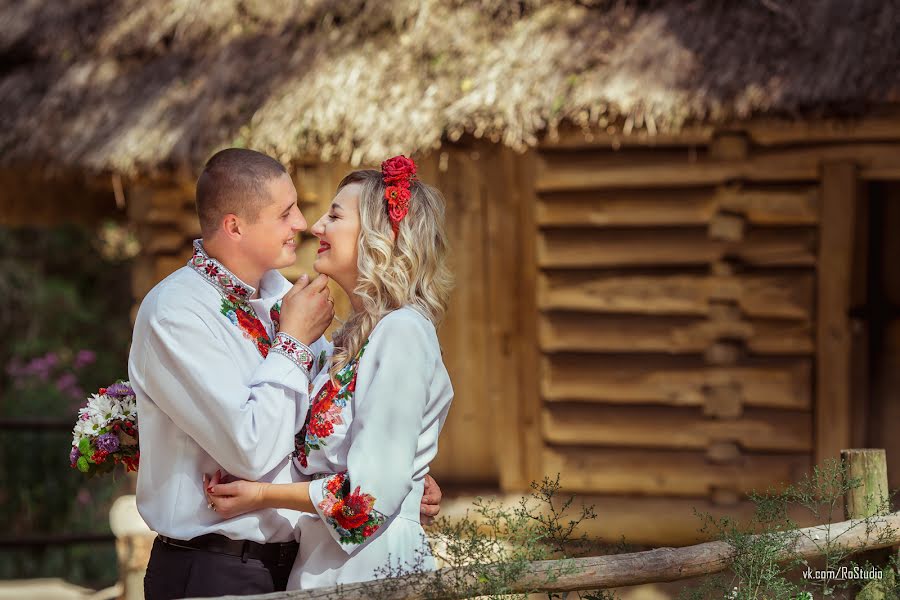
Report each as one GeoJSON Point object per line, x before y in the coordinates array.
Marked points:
{"type": "Point", "coordinates": [221, 363]}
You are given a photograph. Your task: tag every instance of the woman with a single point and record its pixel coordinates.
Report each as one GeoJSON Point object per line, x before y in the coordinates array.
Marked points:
{"type": "Point", "coordinates": [380, 400]}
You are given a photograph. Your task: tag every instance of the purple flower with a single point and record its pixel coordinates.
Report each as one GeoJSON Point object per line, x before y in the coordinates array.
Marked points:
{"type": "Point", "coordinates": [65, 382]}
{"type": "Point", "coordinates": [84, 358]}
{"type": "Point", "coordinates": [41, 367]}
{"type": "Point", "coordinates": [119, 390]}
{"type": "Point", "coordinates": [108, 442]}
{"type": "Point", "coordinates": [73, 456]}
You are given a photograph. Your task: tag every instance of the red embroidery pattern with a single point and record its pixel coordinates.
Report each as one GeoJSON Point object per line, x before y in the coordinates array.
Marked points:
{"type": "Point", "coordinates": [352, 515]}
{"type": "Point", "coordinates": [242, 314]}
{"type": "Point", "coordinates": [294, 350]}
{"type": "Point", "coordinates": [325, 411]}
{"type": "Point", "coordinates": [235, 294]}
{"type": "Point", "coordinates": [213, 271]}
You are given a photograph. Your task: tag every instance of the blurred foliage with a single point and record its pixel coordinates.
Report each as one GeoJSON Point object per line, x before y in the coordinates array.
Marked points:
{"type": "Point", "coordinates": [66, 329]}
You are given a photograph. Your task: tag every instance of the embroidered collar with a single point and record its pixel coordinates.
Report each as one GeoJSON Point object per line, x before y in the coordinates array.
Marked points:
{"type": "Point", "coordinates": [215, 273]}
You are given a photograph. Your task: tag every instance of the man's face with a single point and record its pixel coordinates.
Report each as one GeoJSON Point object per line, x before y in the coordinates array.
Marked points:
{"type": "Point", "coordinates": [271, 241]}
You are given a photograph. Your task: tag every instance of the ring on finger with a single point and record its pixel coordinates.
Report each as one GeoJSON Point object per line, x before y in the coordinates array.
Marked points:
{"type": "Point", "coordinates": [211, 506]}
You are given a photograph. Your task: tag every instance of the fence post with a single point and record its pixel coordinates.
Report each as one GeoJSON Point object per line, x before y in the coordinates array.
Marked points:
{"type": "Point", "coordinates": [872, 496]}
{"type": "Point", "coordinates": [870, 467]}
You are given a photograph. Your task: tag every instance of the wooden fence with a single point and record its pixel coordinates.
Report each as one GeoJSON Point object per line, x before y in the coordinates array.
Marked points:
{"type": "Point", "coordinates": [861, 532]}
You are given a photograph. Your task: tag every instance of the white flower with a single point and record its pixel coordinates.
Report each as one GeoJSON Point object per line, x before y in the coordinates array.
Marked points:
{"type": "Point", "coordinates": [83, 428]}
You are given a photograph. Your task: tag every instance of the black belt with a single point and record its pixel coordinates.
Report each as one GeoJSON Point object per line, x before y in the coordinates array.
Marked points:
{"type": "Point", "coordinates": [280, 554]}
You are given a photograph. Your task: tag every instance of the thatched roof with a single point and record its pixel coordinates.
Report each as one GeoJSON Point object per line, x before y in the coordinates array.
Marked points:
{"type": "Point", "coordinates": [135, 85]}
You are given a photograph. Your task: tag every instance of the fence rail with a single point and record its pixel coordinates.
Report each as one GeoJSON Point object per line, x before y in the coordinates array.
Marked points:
{"type": "Point", "coordinates": [602, 572]}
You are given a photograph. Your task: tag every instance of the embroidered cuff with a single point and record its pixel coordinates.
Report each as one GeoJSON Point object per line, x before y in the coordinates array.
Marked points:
{"type": "Point", "coordinates": [298, 352]}
{"type": "Point", "coordinates": [351, 517]}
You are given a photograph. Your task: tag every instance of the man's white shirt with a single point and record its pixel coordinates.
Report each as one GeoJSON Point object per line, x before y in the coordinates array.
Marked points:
{"type": "Point", "coordinates": [208, 399]}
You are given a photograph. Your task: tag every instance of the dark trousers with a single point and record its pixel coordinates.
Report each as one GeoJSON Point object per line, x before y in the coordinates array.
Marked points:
{"type": "Point", "coordinates": [187, 573]}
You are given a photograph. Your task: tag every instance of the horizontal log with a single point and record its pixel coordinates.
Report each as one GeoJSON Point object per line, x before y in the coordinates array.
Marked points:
{"type": "Point", "coordinates": [664, 427]}
{"type": "Point", "coordinates": [572, 138]}
{"type": "Point", "coordinates": [610, 571]}
{"type": "Point", "coordinates": [157, 204]}
{"type": "Point", "coordinates": [161, 239]}
{"type": "Point", "coordinates": [166, 265]}
{"type": "Point", "coordinates": [586, 332]}
{"type": "Point", "coordinates": [777, 296]}
{"type": "Point", "coordinates": [189, 223]}
{"type": "Point", "coordinates": [771, 205]}
{"type": "Point", "coordinates": [582, 170]}
{"type": "Point", "coordinates": [674, 382]}
{"type": "Point", "coordinates": [761, 131]}
{"type": "Point", "coordinates": [774, 132]}
{"type": "Point", "coordinates": [560, 248]}
{"type": "Point", "coordinates": [667, 472]}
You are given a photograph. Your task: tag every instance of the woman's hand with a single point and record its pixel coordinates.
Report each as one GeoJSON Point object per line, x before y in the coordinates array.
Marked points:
{"type": "Point", "coordinates": [235, 498]}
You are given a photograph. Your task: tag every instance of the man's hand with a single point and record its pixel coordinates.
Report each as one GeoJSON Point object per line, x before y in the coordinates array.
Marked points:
{"type": "Point", "coordinates": [307, 309]}
{"type": "Point", "coordinates": [431, 501]}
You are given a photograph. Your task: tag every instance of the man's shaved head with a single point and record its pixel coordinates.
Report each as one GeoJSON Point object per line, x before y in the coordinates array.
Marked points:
{"type": "Point", "coordinates": [234, 181]}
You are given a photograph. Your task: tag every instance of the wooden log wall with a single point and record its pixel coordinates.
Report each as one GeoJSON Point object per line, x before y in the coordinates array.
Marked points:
{"type": "Point", "coordinates": [694, 302]}
{"type": "Point", "coordinates": [676, 295]}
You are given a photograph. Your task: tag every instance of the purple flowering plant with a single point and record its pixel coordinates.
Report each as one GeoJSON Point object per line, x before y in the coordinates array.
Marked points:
{"type": "Point", "coordinates": [58, 370]}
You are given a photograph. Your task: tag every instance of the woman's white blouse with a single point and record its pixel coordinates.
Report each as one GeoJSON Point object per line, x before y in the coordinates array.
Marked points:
{"type": "Point", "coordinates": [368, 440]}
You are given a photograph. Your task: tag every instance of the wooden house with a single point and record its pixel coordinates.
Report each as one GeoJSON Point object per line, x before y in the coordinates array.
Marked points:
{"type": "Point", "coordinates": [672, 222]}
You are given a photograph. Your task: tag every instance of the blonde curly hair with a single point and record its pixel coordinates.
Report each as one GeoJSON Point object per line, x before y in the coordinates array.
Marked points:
{"type": "Point", "coordinates": [409, 271]}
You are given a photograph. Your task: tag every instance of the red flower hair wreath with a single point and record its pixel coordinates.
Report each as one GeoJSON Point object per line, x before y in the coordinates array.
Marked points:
{"type": "Point", "coordinates": [398, 174]}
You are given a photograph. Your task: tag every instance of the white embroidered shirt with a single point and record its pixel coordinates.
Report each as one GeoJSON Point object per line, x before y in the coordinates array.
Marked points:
{"type": "Point", "coordinates": [217, 388]}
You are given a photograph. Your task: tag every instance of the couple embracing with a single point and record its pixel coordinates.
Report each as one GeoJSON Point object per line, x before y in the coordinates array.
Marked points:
{"type": "Point", "coordinates": [271, 457]}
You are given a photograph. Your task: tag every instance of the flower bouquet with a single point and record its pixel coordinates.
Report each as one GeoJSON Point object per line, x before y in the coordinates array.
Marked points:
{"type": "Point", "coordinates": [106, 432]}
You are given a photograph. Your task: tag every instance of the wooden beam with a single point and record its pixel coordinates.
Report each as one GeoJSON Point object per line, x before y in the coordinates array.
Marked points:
{"type": "Point", "coordinates": [503, 285]}
{"type": "Point", "coordinates": [583, 248]}
{"type": "Point", "coordinates": [561, 171]}
{"type": "Point", "coordinates": [770, 205]}
{"type": "Point", "coordinates": [840, 194]}
{"type": "Point", "coordinates": [663, 427]}
{"type": "Point", "coordinates": [464, 333]}
{"type": "Point", "coordinates": [776, 132]}
{"type": "Point", "coordinates": [569, 137]}
{"type": "Point", "coordinates": [774, 296]}
{"type": "Point", "coordinates": [671, 381]}
{"type": "Point", "coordinates": [530, 375]}
{"type": "Point", "coordinates": [763, 131]}
{"type": "Point", "coordinates": [584, 332]}
{"type": "Point", "coordinates": [668, 472]}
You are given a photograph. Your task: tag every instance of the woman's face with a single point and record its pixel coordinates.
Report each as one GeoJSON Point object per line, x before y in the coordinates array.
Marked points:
{"type": "Point", "coordinates": [338, 231]}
